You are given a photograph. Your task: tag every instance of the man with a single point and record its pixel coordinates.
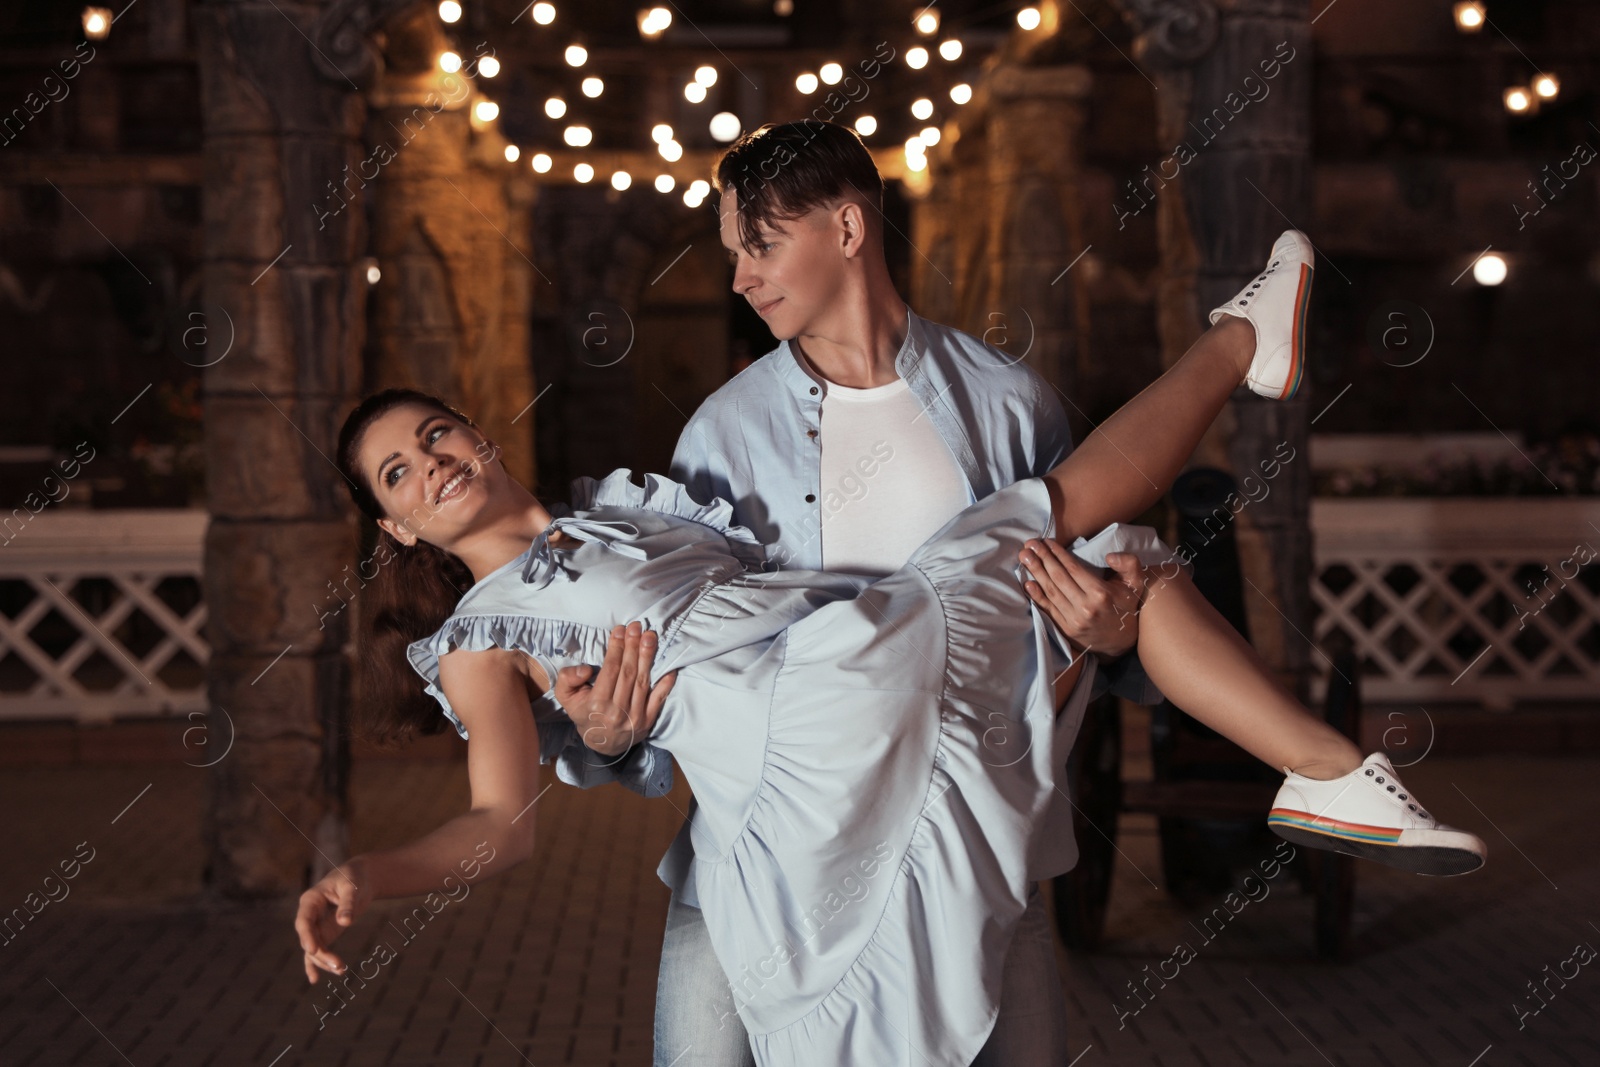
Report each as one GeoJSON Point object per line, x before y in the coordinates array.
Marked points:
{"type": "Point", "coordinates": [844, 449]}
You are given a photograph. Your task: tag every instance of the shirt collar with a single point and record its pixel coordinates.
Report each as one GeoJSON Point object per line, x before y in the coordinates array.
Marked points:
{"type": "Point", "coordinates": [800, 379]}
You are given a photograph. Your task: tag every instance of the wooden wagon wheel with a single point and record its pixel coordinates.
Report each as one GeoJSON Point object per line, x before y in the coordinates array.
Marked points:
{"type": "Point", "coordinates": [1094, 782]}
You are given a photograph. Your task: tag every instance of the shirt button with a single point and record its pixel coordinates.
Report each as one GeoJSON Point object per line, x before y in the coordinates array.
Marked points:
{"type": "Point", "coordinates": [811, 498]}
{"type": "Point", "coordinates": [813, 390]}
{"type": "Point", "coordinates": [811, 433]}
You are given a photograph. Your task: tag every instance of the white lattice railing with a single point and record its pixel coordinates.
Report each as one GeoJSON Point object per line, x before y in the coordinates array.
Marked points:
{"type": "Point", "coordinates": [1435, 597]}
{"type": "Point", "coordinates": [101, 614]}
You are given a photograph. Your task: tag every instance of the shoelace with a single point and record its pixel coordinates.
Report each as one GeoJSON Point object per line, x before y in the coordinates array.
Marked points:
{"type": "Point", "coordinates": [1372, 773]}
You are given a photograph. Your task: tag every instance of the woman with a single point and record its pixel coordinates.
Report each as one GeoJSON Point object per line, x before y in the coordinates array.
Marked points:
{"type": "Point", "coordinates": [870, 760]}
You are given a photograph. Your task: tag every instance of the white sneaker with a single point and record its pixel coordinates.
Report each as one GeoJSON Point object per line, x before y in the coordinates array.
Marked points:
{"type": "Point", "coordinates": [1369, 813]}
{"type": "Point", "coordinates": [1275, 303]}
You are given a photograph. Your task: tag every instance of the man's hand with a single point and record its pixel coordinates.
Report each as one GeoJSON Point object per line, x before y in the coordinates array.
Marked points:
{"type": "Point", "coordinates": [616, 710]}
{"type": "Point", "coordinates": [1090, 612]}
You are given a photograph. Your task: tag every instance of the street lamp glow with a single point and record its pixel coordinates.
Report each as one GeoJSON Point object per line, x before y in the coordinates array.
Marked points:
{"type": "Point", "coordinates": [583, 172]}
{"type": "Point", "coordinates": [706, 76]}
{"type": "Point", "coordinates": [866, 125]}
{"type": "Point", "coordinates": [544, 14]}
{"type": "Point", "coordinates": [1028, 18]}
{"type": "Point", "coordinates": [664, 183]}
{"type": "Point", "coordinates": [577, 136]}
{"type": "Point", "coordinates": [488, 66]}
{"type": "Point", "coordinates": [922, 109]}
{"type": "Point", "coordinates": [961, 93]}
{"type": "Point", "coordinates": [950, 50]}
{"type": "Point", "coordinates": [830, 73]}
{"type": "Point", "coordinates": [725, 126]}
{"type": "Point", "coordinates": [449, 11]}
{"type": "Point", "coordinates": [555, 107]}
{"type": "Point", "coordinates": [916, 58]}
{"type": "Point", "coordinates": [576, 55]}
{"type": "Point", "coordinates": [1469, 16]}
{"type": "Point", "coordinates": [593, 87]}
{"type": "Point", "coordinates": [806, 83]}
{"type": "Point", "coordinates": [1490, 269]}
{"type": "Point", "coordinates": [620, 180]}
{"type": "Point", "coordinates": [542, 162]}
{"type": "Point", "coordinates": [96, 22]}
{"type": "Point", "coordinates": [449, 62]}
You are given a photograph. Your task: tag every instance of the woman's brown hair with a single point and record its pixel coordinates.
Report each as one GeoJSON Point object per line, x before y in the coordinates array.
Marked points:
{"type": "Point", "coordinates": [414, 591]}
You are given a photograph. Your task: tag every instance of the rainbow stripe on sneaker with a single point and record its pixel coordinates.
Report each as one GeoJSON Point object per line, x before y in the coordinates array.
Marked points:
{"type": "Point", "coordinates": [1297, 356]}
{"type": "Point", "coordinates": [1349, 831]}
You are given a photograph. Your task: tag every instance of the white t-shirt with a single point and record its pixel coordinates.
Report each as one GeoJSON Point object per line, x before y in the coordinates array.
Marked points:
{"type": "Point", "coordinates": [889, 481]}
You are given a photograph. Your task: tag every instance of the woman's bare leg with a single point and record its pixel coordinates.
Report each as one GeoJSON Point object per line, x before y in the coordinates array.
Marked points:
{"type": "Point", "coordinates": [1131, 459]}
{"type": "Point", "coordinates": [1203, 666]}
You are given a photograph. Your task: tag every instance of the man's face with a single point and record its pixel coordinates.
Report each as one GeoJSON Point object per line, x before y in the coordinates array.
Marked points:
{"type": "Point", "coordinates": [793, 273]}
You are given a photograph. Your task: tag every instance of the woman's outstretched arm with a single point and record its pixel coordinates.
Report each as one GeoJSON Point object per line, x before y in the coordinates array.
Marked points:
{"type": "Point", "coordinates": [488, 690]}
{"type": "Point", "coordinates": [1132, 458]}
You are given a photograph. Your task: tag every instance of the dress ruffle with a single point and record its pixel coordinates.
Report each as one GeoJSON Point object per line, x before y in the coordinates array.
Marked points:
{"type": "Point", "coordinates": [644, 769]}
{"type": "Point", "coordinates": [670, 498]}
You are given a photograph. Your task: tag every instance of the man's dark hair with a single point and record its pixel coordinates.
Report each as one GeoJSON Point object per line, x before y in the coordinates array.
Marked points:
{"type": "Point", "coordinates": [782, 171]}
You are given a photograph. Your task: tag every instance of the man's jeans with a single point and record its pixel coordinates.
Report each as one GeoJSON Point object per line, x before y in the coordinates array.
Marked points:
{"type": "Point", "coordinates": [696, 1023]}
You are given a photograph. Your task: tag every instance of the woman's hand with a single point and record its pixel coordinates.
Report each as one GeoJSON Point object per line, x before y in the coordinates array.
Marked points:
{"type": "Point", "coordinates": [618, 708]}
{"type": "Point", "coordinates": [326, 909]}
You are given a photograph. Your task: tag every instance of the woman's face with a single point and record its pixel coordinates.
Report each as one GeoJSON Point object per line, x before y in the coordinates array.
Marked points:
{"type": "Point", "coordinates": [434, 477]}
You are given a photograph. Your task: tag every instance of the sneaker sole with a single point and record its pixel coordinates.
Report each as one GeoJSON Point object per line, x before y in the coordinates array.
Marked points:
{"type": "Point", "coordinates": [1377, 843]}
{"type": "Point", "coordinates": [1297, 358]}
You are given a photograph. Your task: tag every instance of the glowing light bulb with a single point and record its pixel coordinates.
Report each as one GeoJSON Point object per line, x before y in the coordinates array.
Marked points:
{"type": "Point", "coordinates": [542, 162]}
{"type": "Point", "coordinates": [449, 62]}
{"type": "Point", "coordinates": [577, 136]}
{"type": "Point", "coordinates": [922, 109]}
{"type": "Point", "coordinates": [927, 21]}
{"type": "Point", "coordinates": [1469, 16]}
{"type": "Point", "coordinates": [96, 22]}
{"type": "Point", "coordinates": [583, 172]}
{"type": "Point", "coordinates": [706, 76]}
{"type": "Point", "coordinates": [576, 55]}
{"type": "Point", "coordinates": [950, 50]}
{"type": "Point", "coordinates": [661, 133]}
{"type": "Point", "coordinates": [916, 58]}
{"type": "Point", "coordinates": [1546, 86]}
{"type": "Point", "coordinates": [725, 126]}
{"type": "Point", "coordinates": [830, 73]}
{"type": "Point", "coordinates": [513, 153]}
{"type": "Point", "coordinates": [1028, 18]}
{"type": "Point", "coordinates": [620, 180]}
{"type": "Point", "coordinates": [555, 107]}
{"type": "Point", "coordinates": [486, 111]}
{"type": "Point", "coordinates": [670, 150]}
{"type": "Point", "coordinates": [449, 11]}
{"type": "Point", "coordinates": [930, 135]}
{"type": "Point", "coordinates": [1490, 269]}
{"type": "Point", "coordinates": [961, 93]}
{"type": "Point", "coordinates": [664, 183]}
{"type": "Point", "coordinates": [806, 83]}
{"type": "Point", "coordinates": [866, 125]}
{"type": "Point", "coordinates": [488, 66]}
{"type": "Point", "coordinates": [1518, 100]}
{"type": "Point", "coordinates": [593, 87]}
{"type": "Point", "coordinates": [544, 14]}
{"type": "Point", "coordinates": [695, 93]}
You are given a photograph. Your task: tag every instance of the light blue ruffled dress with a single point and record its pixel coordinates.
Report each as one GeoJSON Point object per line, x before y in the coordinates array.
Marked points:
{"type": "Point", "coordinates": [871, 759]}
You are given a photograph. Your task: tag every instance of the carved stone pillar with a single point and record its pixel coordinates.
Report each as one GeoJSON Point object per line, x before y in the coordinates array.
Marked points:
{"type": "Point", "coordinates": [285, 291]}
{"type": "Point", "coordinates": [1002, 218]}
{"type": "Point", "coordinates": [1241, 153]}
{"type": "Point", "coordinates": [452, 242]}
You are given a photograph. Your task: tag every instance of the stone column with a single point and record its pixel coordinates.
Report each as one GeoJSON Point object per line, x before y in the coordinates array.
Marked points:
{"type": "Point", "coordinates": [452, 241]}
{"type": "Point", "coordinates": [1244, 177]}
{"type": "Point", "coordinates": [1002, 218]}
{"type": "Point", "coordinates": [283, 298]}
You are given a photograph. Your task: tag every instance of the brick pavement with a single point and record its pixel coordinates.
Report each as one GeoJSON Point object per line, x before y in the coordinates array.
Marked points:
{"type": "Point", "coordinates": [555, 962]}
